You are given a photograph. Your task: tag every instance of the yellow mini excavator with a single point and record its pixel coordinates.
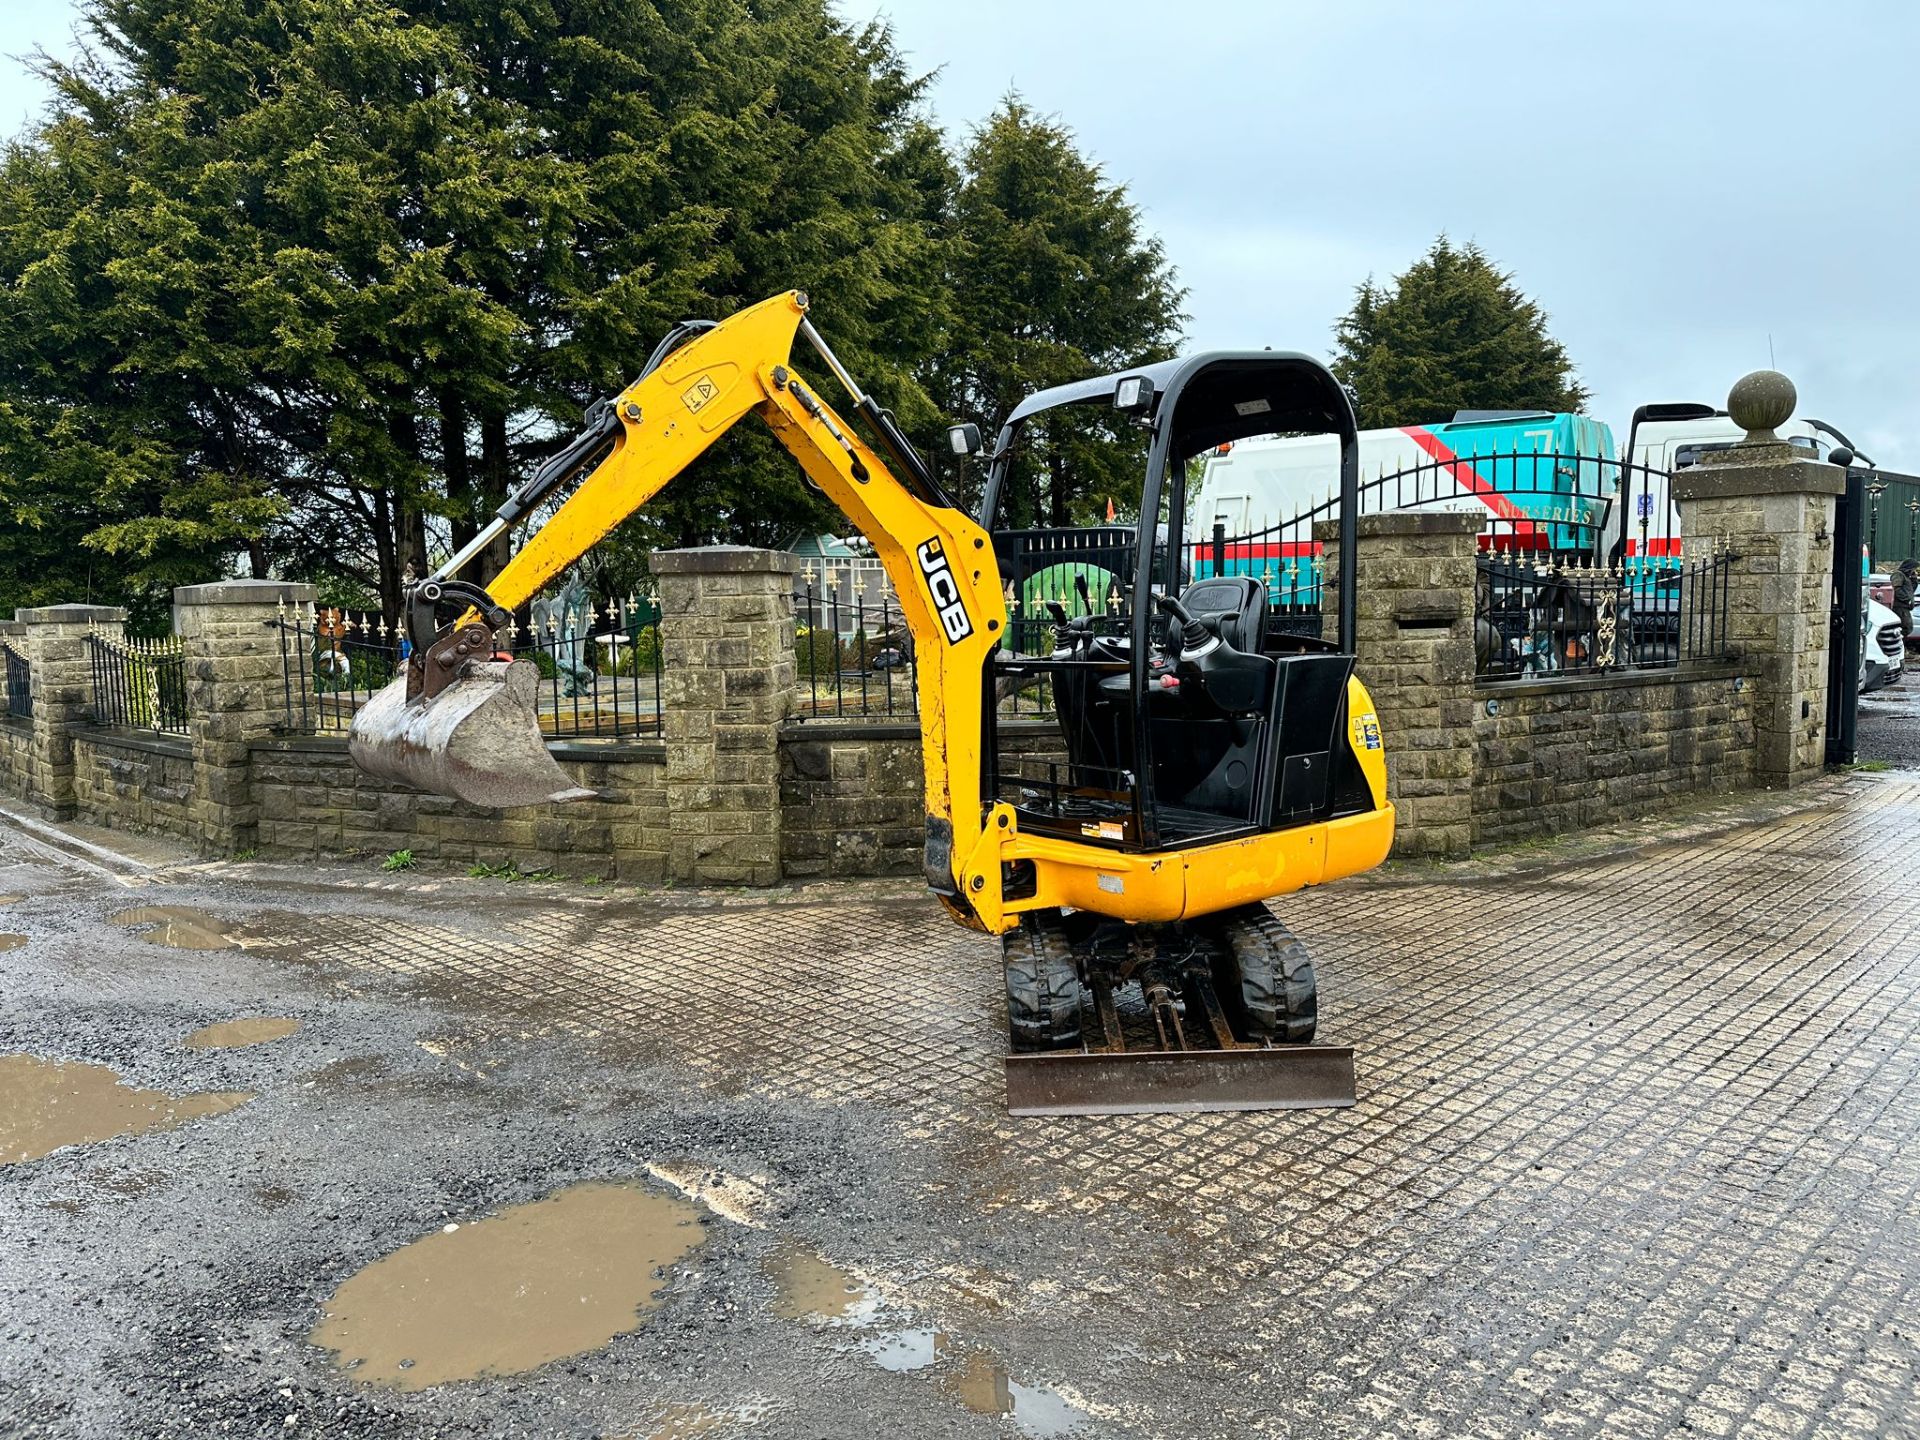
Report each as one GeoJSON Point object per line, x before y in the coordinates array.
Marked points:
{"type": "Point", "coordinates": [1201, 761]}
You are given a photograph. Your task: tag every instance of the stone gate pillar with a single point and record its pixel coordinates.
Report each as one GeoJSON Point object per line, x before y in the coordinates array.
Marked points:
{"type": "Point", "coordinates": [1413, 636]}
{"type": "Point", "coordinates": [727, 636]}
{"type": "Point", "coordinates": [1773, 507]}
{"type": "Point", "coordinates": [53, 640]}
{"type": "Point", "coordinates": [236, 693]}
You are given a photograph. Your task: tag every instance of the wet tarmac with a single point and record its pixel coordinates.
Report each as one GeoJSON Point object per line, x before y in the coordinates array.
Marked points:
{"type": "Point", "coordinates": [1635, 1156]}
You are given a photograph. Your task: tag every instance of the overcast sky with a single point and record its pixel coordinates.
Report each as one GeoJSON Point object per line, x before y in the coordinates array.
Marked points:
{"type": "Point", "coordinates": [1679, 184]}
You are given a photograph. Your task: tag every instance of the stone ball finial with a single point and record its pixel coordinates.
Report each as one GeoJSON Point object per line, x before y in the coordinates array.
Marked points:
{"type": "Point", "coordinates": [1760, 401]}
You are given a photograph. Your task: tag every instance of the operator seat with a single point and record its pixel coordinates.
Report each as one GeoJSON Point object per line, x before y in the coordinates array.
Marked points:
{"type": "Point", "coordinates": [1240, 601]}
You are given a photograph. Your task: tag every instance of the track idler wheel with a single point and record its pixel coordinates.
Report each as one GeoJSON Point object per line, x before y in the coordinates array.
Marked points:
{"type": "Point", "coordinates": [1265, 978]}
{"type": "Point", "coordinates": [1044, 989]}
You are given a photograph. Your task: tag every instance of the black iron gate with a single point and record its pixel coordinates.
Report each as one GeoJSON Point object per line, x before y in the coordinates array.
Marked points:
{"type": "Point", "coordinates": [1847, 622]}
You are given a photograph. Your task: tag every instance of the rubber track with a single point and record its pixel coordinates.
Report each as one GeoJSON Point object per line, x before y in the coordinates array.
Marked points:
{"type": "Point", "coordinates": [1043, 986]}
{"type": "Point", "coordinates": [1279, 999]}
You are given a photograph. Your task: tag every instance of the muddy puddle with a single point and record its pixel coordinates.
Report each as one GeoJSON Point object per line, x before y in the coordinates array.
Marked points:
{"type": "Point", "coordinates": [977, 1379]}
{"type": "Point", "coordinates": [984, 1387]}
{"type": "Point", "coordinates": [807, 1286]}
{"type": "Point", "coordinates": [233, 1034]}
{"type": "Point", "coordinates": [12, 942]}
{"type": "Point", "coordinates": [180, 927]}
{"type": "Point", "coordinates": [350, 1070]}
{"type": "Point", "coordinates": [556, 1277]}
{"type": "Point", "coordinates": [48, 1104]}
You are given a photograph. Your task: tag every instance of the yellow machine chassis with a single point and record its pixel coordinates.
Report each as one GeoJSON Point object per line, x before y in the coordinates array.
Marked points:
{"type": "Point", "coordinates": [1179, 884]}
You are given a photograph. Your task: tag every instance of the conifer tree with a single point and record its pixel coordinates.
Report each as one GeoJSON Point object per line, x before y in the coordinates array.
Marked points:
{"type": "Point", "coordinates": [1054, 278]}
{"type": "Point", "coordinates": [287, 287]}
{"type": "Point", "coordinates": [1454, 332]}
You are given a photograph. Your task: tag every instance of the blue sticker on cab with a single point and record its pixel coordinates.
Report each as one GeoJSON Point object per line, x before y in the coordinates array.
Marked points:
{"type": "Point", "coordinates": [1370, 730]}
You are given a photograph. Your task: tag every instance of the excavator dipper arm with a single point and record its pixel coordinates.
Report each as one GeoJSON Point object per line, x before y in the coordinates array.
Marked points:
{"type": "Point", "coordinates": [466, 736]}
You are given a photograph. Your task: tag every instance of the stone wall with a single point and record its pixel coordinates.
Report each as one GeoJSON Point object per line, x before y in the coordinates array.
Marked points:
{"type": "Point", "coordinates": [312, 801]}
{"type": "Point", "coordinates": [1774, 512]}
{"type": "Point", "coordinates": [235, 694]}
{"type": "Point", "coordinates": [727, 647]}
{"type": "Point", "coordinates": [738, 792]}
{"type": "Point", "coordinates": [16, 755]}
{"type": "Point", "coordinates": [1570, 754]}
{"type": "Point", "coordinates": [1413, 624]}
{"type": "Point", "coordinates": [852, 794]}
{"type": "Point", "coordinates": [134, 782]}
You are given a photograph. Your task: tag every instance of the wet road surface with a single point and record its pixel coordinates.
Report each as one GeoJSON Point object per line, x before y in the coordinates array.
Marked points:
{"type": "Point", "coordinates": [1634, 1156]}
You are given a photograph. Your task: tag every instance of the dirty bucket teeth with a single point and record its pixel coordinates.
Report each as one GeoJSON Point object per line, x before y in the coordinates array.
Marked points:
{"type": "Point", "coordinates": [478, 740]}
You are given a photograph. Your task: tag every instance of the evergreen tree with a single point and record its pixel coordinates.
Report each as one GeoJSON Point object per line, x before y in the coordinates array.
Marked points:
{"type": "Point", "coordinates": [1053, 279]}
{"type": "Point", "coordinates": [1452, 333]}
{"type": "Point", "coordinates": [300, 282]}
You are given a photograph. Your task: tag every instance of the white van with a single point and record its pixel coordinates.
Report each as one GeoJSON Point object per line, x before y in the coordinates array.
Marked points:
{"type": "Point", "coordinates": [1883, 649]}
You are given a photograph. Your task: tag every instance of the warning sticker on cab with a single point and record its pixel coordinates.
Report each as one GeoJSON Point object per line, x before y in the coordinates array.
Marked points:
{"type": "Point", "coordinates": [700, 394]}
{"type": "Point", "coordinates": [1104, 830]}
{"type": "Point", "coordinates": [1369, 725]}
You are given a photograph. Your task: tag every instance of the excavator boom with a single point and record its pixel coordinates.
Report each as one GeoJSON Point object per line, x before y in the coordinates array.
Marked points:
{"type": "Point", "coordinates": [462, 721]}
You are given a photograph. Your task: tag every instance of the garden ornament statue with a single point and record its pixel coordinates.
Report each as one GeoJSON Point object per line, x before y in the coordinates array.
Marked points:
{"type": "Point", "coordinates": [560, 625]}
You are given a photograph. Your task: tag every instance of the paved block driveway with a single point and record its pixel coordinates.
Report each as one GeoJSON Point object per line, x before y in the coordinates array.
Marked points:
{"type": "Point", "coordinates": [1634, 1155]}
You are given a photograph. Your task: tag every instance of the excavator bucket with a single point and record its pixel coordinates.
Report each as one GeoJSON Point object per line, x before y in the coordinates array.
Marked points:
{"type": "Point", "coordinates": [478, 740]}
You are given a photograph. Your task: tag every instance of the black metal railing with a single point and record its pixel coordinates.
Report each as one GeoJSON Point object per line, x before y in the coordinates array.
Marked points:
{"type": "Point", "coordinates": [332, 661]}
{"type": "Point", "coordinates": [601, 677]}
{"type": "Point", "coordinates": [853, 655]}
{"type": "Point", "coordinates": [1534, 619]}
{"type": "Point", "coordinates": [19, 684]}
{"type": "Point", "coordinates": [604, 679]}
{"type": "Point", "coordinates": [138, 684]}
{"type": "Point", "coordinates": [1541, 506]}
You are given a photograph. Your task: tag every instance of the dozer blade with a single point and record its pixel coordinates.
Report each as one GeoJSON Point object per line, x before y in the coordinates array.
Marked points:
{"type": "Point", "coordinates": [1161, 1082]}
{"type": "Point", "coordinates": [478, 740]}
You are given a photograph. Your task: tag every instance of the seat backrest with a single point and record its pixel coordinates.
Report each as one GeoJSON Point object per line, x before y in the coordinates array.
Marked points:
{"type": "Point", "coordinates": [1240, 600]}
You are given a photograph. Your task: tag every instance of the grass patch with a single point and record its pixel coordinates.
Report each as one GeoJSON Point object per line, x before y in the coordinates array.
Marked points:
{"type": "Point", "coordinates": [1870, 767]}
{"type": "Point", "coordinates": [512, 873]}
{"type": "Point", "coordinates": [398, 860]}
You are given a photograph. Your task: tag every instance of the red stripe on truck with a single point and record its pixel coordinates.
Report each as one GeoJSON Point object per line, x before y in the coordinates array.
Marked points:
{"type": "Point", "coordinates": [1468, 479]}
{"type": "Point", "coordinates": [1245, 550]}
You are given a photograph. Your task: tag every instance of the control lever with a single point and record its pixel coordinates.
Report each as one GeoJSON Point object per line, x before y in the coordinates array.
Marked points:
{"type": "Point", "coordinates": [1233, 680]}
{"type": "Point", "coordinates": [1195, 632]}
{"type": "Point", "coordinates": [1085, 594]}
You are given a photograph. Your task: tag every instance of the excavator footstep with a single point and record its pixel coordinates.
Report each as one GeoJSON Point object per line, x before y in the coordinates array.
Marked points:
{"type": "Point", "coordinates": [478, 740]}
{"type": "Point", "coordinates": [1159, 1082]}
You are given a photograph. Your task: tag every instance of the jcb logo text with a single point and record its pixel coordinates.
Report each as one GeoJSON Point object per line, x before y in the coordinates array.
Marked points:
{"type": "Point", "coordinates": [945, 591]}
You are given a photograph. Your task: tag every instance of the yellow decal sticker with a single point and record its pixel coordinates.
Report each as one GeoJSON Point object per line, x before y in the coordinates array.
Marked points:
{"type": "Point", "coordinates": [699, 394]}
{"type": "Point", "coordinates": [1104, 830]}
